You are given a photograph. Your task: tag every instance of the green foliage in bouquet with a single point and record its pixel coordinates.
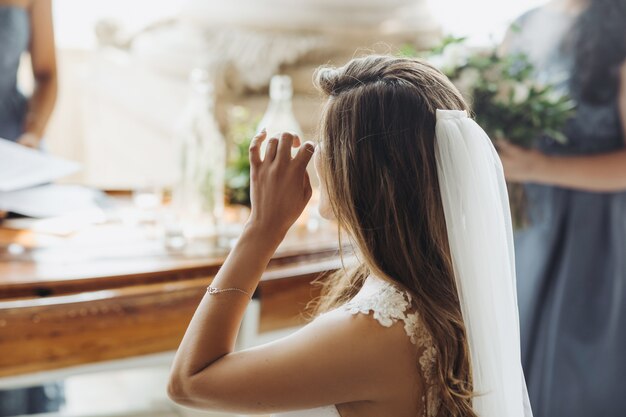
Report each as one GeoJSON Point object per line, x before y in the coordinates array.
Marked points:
{"type": "Point", "coordinates": [505, 98]}
{"type": "Point", "coordinates": [241, 130]}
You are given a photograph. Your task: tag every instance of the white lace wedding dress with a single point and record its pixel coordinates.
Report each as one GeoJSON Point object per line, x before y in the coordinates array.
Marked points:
{"type": "Point", "coordinates": [388, 304]}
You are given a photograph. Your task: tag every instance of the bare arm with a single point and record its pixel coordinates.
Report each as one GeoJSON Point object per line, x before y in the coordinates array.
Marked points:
{"type": "Point", "coordinates": [205, 342]}
{"type": "Point", "coordinates": [43, 58]}
{"type": "Point", "coordinates": [601, 173]}
{"type": "Point", "coordinates": [324, 363]}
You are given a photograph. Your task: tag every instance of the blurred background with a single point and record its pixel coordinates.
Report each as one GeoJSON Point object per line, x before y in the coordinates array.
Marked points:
{"type": "Point", "coordinates": [124, 66]}
{"type": "Point", "coordinates": [105, 252]}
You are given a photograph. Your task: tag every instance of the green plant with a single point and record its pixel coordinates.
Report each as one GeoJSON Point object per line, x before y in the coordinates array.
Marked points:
{"type": "Point", "coordinates": [242, 127]}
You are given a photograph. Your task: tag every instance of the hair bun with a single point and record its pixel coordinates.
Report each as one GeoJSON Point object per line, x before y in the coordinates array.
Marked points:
{"type": "Point", "coordinates": [326, 79]}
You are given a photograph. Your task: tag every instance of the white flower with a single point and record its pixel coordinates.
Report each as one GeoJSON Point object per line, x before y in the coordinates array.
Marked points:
{"type": "Point", "coordinates": [467, 80]}
{"type": "Point", "coordinates": [554, 96]}
{"type": "Point", "coordinates": [493, 74]}
{"type": "Point", "coordinates": [453, 56]}
{"type": "Point", "coordinates": [436, 61]}
{"type": "Point", "coordinates": [520, 93]}
{"type": "Point", "coordinates": [505, 88]}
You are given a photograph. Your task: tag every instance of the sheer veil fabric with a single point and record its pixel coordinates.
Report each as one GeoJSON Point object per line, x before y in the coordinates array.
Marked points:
{"type": "Point", "coordinates": [480, 235]}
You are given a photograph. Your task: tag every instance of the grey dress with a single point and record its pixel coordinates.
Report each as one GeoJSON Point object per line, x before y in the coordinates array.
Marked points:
{"type": "Point", "coordinates": [14, 39]}
{"type": "Point", "coordinates": [571, 262]}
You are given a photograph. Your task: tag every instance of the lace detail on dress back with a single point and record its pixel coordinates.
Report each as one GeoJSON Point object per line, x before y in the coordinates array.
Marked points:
{"type": "Point", "coordinates": [388, 304]}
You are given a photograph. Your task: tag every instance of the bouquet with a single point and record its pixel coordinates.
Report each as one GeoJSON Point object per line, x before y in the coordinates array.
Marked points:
{"type": "Point", "coordinates": [505, 98]}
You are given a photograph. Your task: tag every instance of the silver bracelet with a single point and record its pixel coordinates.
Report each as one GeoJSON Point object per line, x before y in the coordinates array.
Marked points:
{"type": "Point", "coordinates": [212, 290]}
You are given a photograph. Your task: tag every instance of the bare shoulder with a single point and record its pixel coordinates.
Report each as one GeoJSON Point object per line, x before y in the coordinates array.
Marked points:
{"type": "Point", "coordinates": [386, 355]}
{"type": "Point", "coordinates": [339, 358]}
{"type": "Point", "coordinates": [385, 349]}
{"type": "Point", "coordinates": [363, 323]}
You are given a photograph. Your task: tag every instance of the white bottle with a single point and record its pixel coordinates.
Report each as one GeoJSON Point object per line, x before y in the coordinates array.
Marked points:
{"type": "Point", "coordinates": [279, 115]}
{"type": "Point", "coordinates": [279, 118]}
{"type": "Point", "coordinates": [198, 197]}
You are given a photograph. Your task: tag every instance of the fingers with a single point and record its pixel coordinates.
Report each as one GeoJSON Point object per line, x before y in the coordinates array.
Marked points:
{"type": "Point", "coordinates": [305, 153]}
{"type": "Point", "coordinates": [284, 146]}
{"type": "Point", "coordinates": [270, 151]}
{"type": "Point", "coordinates": [306, 185]}
{"type": "Point", "coordinates": [279, 148]}
{"type": "Point", "coordinates": [255, 147]}
{"type": "Point", "coordinates": [296, 141]}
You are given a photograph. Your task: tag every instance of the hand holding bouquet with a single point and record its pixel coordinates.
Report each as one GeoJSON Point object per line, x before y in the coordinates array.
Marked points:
{"type": "Point", "coordinates": [505, 98]}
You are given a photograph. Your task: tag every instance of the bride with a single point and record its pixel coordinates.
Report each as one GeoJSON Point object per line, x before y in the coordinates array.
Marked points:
{"type": "Point", "coordinates": [427, 324]}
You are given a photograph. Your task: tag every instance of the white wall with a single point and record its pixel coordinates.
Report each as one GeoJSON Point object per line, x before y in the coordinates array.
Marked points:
{"type": "Point", "coordinates": [74, 19]}
{"type": "Point", "coordinates": [484, 21]}
{"type": "Point", "coordinates": [81, 113]}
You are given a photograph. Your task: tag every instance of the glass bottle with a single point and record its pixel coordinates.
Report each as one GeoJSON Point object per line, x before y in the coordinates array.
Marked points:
{"type": "Point", "coordinates": [279, 115]}
{"type": "Point", "coordinates": [198, 197]}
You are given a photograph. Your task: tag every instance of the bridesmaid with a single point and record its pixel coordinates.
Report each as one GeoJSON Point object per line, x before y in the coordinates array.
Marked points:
{"type": "Point", "coordinates": [26, 26]}
{"type": "Point", "coordinates": [572, 259]}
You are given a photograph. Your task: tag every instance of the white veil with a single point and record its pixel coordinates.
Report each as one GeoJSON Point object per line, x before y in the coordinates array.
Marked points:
{"type": "Point", "coordinates": [478, 220]}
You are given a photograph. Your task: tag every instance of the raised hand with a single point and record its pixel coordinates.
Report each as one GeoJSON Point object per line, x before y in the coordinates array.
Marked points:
{"type": "Point", "coordinates": [279, 184]}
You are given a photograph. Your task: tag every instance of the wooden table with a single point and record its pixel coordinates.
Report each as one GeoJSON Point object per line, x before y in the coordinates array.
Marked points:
{"type": "Point", "coordinates": [114, 291]}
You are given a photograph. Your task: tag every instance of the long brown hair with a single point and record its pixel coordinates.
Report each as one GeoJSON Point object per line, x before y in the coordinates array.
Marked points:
{"type": "Point", "coordinates": [377, 135]}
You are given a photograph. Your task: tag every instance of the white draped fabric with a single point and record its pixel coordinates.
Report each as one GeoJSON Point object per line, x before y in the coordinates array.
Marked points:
{"type": "Point", "coordinates": [480, 235]}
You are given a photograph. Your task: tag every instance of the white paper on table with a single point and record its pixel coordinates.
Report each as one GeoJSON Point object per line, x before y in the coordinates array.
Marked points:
{"type": "Point", "coordinates": [52, 200]}
{"type": "Point", "coordinates": [22, 167]}
{"type": "Point", "coordinates": [58, 226]}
